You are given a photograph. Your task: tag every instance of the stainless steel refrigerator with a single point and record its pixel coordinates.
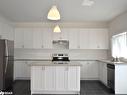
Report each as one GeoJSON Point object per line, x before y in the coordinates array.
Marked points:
{"type": "Point", "coordinates": [6, 64]}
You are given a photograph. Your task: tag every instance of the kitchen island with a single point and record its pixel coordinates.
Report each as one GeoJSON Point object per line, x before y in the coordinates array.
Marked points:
{"type": "Point", "coordinates": [55, 78]}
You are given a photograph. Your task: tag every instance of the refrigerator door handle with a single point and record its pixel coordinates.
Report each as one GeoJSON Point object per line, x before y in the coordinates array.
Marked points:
{"type": "Point", "coordinates": [6, 48]}
{"type": "Point", "coordinates": [6, 65]}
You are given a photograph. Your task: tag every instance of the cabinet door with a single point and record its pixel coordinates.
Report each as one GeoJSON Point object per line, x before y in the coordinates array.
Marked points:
{"type": "Point", "coordinates": [38, 38]}
{"type": "Point", "coordinates": [92, 70]}
{"type": "Point", "coordinates": [65, 34]}
{"type": "Point", "coordinates": [73, 38]}
{"type": "Point", "coordinates": [49, 78]}
{"type": "Point", "coordinates": [19, 38]}
{"type": "Point", "coordinates": [98, 39]}
{"type": "Point", "coordinates": [103, 39]}
{"type": "Point", "coordinates": [61, 78]}
{"type": "Point", "coordinates": [37, 78]}
{"type": "Point", "coordinates": [103, 72]}
{"type": "Point", "coordinates": [47, 38]}
{"type": "Point", "coordinates": [74, 78]}
{"type": "Point", "coordinates": [28, 37]}
{"type": "Point", "coordinates": [56, 36]}
{"type": "Point", "coordinates": [21, 70]}
{"type": "Point", "coordinates": [84, 39]}
{"type": "Point", "coordinates": [83, 70]}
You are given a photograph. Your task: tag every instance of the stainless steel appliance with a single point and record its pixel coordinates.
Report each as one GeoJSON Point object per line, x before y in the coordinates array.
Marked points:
{"type": "Point", "coordinates": [60, 44]}
{"type": "Point", "coordinates": [60, 58]}
{"type": "Point", "coordinates": [6, 64]}
{"type": "Point", "coordinates": [111, 76]}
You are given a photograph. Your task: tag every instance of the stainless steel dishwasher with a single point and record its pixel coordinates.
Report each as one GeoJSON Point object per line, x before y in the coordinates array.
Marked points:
{"type": "Point", "coordinates": [111, 76]}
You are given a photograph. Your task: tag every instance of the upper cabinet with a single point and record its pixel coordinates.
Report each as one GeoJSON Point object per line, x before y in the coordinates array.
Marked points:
{"type": "Point", "coordinates": [93, 39]}
{"type": "Point", "coordinates": [41, 38]}
{"type": "Point", "coordinates": [98, 39]}
{"type": "Point", "coordinates": [73, 39]}
{"type": "Point", "coordinates": [83, 39]}
{"type": "Point", "coordinates": [36, 38]}
{"type": "Point", "coordinates": [63, 35]}
{"type": "Point", "coordinates": [6, 31]}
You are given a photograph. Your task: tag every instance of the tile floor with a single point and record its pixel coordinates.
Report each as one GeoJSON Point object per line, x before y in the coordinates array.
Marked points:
{"type": "Point", "coordinates": [87, 88]}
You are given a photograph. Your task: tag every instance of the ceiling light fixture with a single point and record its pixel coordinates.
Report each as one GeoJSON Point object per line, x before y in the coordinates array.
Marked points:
{"type": "Point", "coordinates": [53, 14]}
{"type": "Point", "coordinates": [57, 29]}
{"type": "Point", "coordinates": [88, 3]}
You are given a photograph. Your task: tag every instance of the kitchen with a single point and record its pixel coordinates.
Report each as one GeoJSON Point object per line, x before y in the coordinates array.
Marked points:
{"type": "Point", "coordinates": [90, 45]}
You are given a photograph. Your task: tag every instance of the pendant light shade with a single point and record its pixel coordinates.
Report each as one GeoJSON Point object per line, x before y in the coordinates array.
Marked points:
{"type": "Point", "coordinates": [57, 29]}
{"type": "Point", "coordinates": [53, 14]}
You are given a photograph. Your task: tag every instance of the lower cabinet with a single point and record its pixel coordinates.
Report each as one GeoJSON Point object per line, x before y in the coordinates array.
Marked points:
{"type": "Point", "coordinates": [89, 70]}
{"type": "Point", "coordinates": [21, 70]}
{"type": "Point", "coordinates": [54, 79]}
{"type": "Point", "coordinates": [103, 73]}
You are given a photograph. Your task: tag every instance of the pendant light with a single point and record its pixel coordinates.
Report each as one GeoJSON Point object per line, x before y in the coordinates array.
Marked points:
{"type": "Point", "coordinates": [57, 29]}
{"type": "Point", "coordinates": [53, 13]}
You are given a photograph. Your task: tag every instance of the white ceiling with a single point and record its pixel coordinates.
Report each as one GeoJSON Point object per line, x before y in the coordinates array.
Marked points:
{"type": "Point", "coordinates": [71, 10]}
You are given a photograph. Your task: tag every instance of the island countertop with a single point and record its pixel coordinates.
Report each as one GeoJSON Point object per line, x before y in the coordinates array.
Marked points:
{"type": "Point", "coordinates": [50, 63]}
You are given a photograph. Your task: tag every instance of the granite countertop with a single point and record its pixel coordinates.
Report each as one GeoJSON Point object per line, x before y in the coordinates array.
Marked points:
{"type": "Point", "coordinates": [50, 63]}
{"type": "Point", "coordinates": [115, 63]}
{"type": "Point", "coordinates": [31, 59]}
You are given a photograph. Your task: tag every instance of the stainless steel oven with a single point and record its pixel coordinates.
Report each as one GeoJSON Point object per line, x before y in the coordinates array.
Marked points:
{"type": "Point", "coordinates": [111, 76]}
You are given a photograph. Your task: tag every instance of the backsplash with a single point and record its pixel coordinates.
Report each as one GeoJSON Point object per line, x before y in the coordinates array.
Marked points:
{"type": "Point", "coordinates": [73, 54]}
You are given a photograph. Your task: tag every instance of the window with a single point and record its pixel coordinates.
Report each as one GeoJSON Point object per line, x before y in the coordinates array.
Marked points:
{"type": "Point", "coordinates": [119, 45]}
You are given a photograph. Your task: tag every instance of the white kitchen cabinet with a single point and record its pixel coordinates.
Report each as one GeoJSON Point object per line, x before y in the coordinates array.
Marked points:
{"type": "Point", "coordinates": [92, 70]}
{"type": "Point", "coordinates": [73, 78]}
{"type": "Point", "coordinates": [43, 78]}
{"type": "Point", "coordinates": [63, 35]}
{"type": "Point", "coordinates": [23, 38]}
{"type": "Point", "coordinates": [73, 39]}
{"type": "Point", "coordinates": [28, 38]}
{"type": "Point", "coordinates": [55, 79]}
{"type": "Point", "coordinates": [21, 70]}
{"type": "Point", "coordinates": [98, 39]}
{"type": "Point", "coordinates": [47, 38]}
{"type": "Point", "coordinates": [19, 38]}
{"type": "Point", "coordinates": [49, 78]}
{"type": "Point", "coordinates": [6, 31]}
{"type": "Point", "coordinates": [38, 75]}
{"type": "Point", "coordinates": [89, 70]}
{"type": "Point", "coordinates": [103, 72]}
{"type": "Point", "coordinates": [61, 78]}
{"type": "Point", "coordinates": [38, 38]}
{"type": "Point", "coordinates": [83, 39]}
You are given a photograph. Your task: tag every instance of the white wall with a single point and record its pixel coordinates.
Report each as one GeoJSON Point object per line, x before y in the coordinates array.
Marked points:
{"type": "Point", "coordinates": [116, 26]}
{"type": "Point", "coordinates": [6, 29]}
{"type": "Point", "coordinates": [119, 24]}
{"type": "Point", "coordinates": [74, 54]}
